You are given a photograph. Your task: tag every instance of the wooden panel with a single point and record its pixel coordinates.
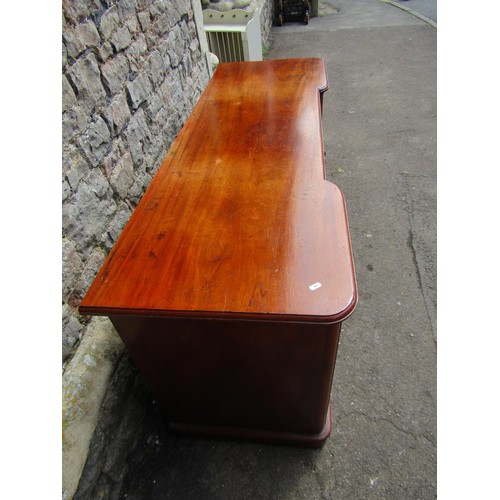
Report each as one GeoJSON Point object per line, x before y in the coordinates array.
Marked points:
{"type": "Point", "coordinates": [236, 374]}
{"type": "Point", "coordinates": [239, 221]}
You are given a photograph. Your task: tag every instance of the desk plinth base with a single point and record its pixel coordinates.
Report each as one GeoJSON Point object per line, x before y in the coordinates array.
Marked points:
{"type": "Point", "coordinates": [256, 435]}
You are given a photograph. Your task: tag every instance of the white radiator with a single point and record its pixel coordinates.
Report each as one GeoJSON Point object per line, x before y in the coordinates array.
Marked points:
{"type": "Point", "coordinates": [234, 35]}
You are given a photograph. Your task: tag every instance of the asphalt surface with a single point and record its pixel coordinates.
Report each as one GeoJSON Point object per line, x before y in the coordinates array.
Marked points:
{"type": "Point", "coordinates": [380, 140]}
{"type": "Point", "coordinates": [427, 8]}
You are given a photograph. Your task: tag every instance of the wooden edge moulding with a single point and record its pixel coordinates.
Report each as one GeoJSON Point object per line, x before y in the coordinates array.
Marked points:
{"type": "Point", "coordinates": [231, 280]}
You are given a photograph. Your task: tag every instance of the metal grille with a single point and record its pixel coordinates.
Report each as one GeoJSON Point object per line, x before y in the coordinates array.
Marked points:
{"type": "Point", "coordinates": [228, 46]}
{"type": "Point", "coordinates": [233, 36]}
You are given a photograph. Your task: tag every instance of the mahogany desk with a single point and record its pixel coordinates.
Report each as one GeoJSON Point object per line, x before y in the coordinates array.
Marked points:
{"type": "Point", "coordinates": [229, 283]}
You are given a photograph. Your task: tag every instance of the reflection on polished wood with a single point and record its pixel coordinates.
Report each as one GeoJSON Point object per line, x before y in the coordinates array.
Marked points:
{"type": "Point", "coordinates": [238, 224]}
{"type": "Point", "coordinates": [239, 219]}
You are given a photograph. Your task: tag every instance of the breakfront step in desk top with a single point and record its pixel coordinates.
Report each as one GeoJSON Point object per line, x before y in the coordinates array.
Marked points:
{"type": "Point", "coordinates": [239, 221]}
{"type": "Point", "coordinates": [229, 283]}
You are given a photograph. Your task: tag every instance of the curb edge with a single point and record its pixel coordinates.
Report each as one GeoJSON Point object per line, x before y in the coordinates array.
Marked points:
{"type": "Point", "coordinates": [430, 22]}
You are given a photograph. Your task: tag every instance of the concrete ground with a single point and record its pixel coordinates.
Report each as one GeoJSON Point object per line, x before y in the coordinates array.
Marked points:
{"type": "Point", "coordinates": [380, 140]}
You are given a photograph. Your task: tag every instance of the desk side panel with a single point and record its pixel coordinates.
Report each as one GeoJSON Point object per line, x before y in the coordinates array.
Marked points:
{"type": "Point", "coordinates": [265, 376]}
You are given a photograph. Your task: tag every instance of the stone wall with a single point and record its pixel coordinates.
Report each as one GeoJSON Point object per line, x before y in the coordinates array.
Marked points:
{"type": "Point", "coordinates": [132, 71]}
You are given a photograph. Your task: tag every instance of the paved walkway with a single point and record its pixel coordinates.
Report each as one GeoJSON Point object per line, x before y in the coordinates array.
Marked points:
{"type": "Point", "coordinates": [380, 140]}
{"type": "Point", "coordinates": [427, 8]}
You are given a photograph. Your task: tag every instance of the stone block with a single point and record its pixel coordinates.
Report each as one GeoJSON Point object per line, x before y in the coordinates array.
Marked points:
{"type": "Point", "coordinates": [68, 95]}
{"type": "Point", "coordinates": [118, 113]}
{"type": "Point", "coordinates": [159, 29]}
{"type": "Point", "coordinates": [95, 141]}
{"type": "Point", "coordinates": [132, 24]}
{"type": "Point", "coordinates": [116, 226]}
{"type": "Point", "coordinates": [156, 68]}
{"type": "Point", "coordinates": [173, 81]}
{"type": "Point", "coordinates": [126, 8]}
{"type": "Point", "coordinates": [189, 84]}
{"type": "Point", "coordinates": [186, 66]}
{"type": "Point", "coordinates": [87, 276]}
{"type": "Point", "coordinates": [71, 331]}
{"type": "Point", "coordinates": [79, 10]}
{"type": "Point", "coordinates": [159, 7]}
{"type": "Point", "coordinates": [76, 167]}
{"type": "Point", "coordinates": [81, 37]}
{"type": "Point", "coordinates": [176, 46]}
{"type": "Point", "coordinates": [121, 38]}
{"type": "Point", "coordinates": [99, 187]}
{"type": "Point", "coordinates": [110, 20]}
{"type": "Point", "coordinates": [139, 90]}
{"type": "Point", "coordinates": [71, 267]}
{"type": "Point", "coordinates": [118, 149]}
{"type": "Point", "coordinates": [86, 77]}
{"type": "Point", "coordinates": [122, 176]}
{"type": "Point", "coordinates": [66, 190]}
{"type": "Point", "coordinates": [142, 181]}
{"type": "Point", "coordinates": [98, 134]}
{"type": "Point", "coordinates": [138, 136]}
{"type": "Point", "coordinates": [155, 103]}
{"type": "Point", "coordinates": [192, 30]}
{"type": "Point", "coordinates": [105, 51]}
{"type": "Point", "coordinates": [74, 122]}
{"type": "Point", "coordinates": [163, 50]}
{"type": "Point", "coordinates": [157, 152]}
{"type": "Point", "coordinates": [86, 212]}
{"type": "Point", "coordinates": [180, 10]}
{"type": "Point", "coordinates": [115, 72]}
{"type": "Point", "coordinates": [162, 119]}
{"type": "Point", "coordinates": [144, 19]}
{"type": "Point", "coordinates": [194, 48]}
{"type": "Point", "coordinates": [137, 52]}
{"type": "Point", "coordinates": [64, 57]}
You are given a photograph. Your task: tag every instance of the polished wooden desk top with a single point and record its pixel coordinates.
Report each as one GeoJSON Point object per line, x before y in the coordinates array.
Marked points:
{"type": "Point", "coordinates": [239, 221]}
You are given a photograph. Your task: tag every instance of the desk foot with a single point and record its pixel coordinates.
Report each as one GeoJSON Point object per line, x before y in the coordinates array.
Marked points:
{"type": "Point", "coordinates": [256, 435]}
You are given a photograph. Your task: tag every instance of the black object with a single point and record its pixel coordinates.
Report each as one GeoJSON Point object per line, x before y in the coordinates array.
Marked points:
{"type": "Point", "coordinates": [287, 10]}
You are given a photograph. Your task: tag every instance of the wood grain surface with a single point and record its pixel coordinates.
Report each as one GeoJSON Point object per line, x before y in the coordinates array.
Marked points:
{"type": "Point", "coordinates": [239, 221]}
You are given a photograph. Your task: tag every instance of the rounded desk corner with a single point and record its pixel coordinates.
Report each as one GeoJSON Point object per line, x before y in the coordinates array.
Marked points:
{"type": "Point", "coordinates": [324, 85]}
{"type": "Point", "coordinates": [343, 314]}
